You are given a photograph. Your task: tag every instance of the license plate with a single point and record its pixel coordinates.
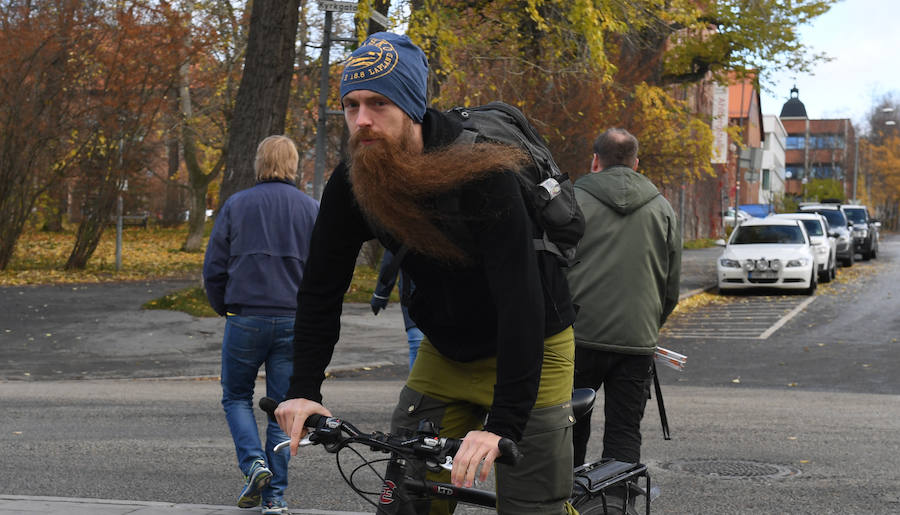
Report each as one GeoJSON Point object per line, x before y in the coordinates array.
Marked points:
{"type": "Point", "coordinates": [763, 275]}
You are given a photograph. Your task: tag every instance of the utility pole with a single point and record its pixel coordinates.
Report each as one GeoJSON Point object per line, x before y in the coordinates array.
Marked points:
{"type": "Point", "coordinates": [330, 7]}
{"type": "Point", "coordinates": [322, 125]}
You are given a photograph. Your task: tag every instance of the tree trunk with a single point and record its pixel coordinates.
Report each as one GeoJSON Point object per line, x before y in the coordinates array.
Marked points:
{"type": "Point", "coordinates": [197, 221]}
{"type": "Point", "coordinates": [262, 99]}
{"type": "Point", "coordinates": [97, 211]}
{"type": "Point", "coordinates": [174, 204]}
{"type": "Point", "coordinates": [198, 182]}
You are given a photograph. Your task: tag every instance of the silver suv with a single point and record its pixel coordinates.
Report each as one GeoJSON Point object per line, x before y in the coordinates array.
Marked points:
{"type": "Point", "coordinates": [864, 230]}
{"type": "Point", "coordinates": [838, 227]}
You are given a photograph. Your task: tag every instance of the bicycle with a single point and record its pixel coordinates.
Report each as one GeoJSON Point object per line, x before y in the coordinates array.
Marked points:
{"type": "Point", "coordinates": [400, 492]}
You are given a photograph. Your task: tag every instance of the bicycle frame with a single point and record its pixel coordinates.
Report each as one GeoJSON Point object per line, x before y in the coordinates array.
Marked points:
{"type": "Point", "coordinates": [401, 492]}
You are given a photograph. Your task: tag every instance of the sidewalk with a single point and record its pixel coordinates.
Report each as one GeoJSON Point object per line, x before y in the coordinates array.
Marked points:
{"type": "Point", "coordinates": [68, 327]}
{"type": "Point", "coordinates": [19, 505]}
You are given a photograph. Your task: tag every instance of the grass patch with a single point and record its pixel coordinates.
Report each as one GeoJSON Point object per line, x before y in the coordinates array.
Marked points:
{"type": "Point", "coordinates": [700, 243]}
{"type": "Point", "coordinates": [189, 300]}
{"type": "Point", "coordinates": [151, 253]}
{"type": "Point", "coordinates": [193, 300]}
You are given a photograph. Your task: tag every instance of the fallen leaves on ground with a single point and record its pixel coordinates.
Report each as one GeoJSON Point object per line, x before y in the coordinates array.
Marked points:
{"type": "Point", "coordinates": [151, 253]}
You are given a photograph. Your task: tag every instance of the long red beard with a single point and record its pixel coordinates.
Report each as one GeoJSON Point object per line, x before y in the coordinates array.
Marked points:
{"type": "Point", "coordinates": [391, 181]}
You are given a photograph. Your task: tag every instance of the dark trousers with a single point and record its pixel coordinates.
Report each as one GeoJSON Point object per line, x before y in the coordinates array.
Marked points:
{"type": "Point", "coordinates": [626, 386]}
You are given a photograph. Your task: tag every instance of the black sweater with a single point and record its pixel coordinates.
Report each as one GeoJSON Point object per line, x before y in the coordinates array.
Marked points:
{"type": "Point", "coordinates": [504, 303]}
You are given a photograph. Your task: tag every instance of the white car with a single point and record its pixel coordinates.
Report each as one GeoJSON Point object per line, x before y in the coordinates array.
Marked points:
{"type": "Point", "coordinates": [728, 216]}
{"type": "Point", "coordinates": [767, 253]}
{"type": "Point", "coordinates": [824, 246]}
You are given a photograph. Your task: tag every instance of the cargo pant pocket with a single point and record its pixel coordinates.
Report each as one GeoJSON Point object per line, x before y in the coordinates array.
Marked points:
{"type": "Point", "coordinates": [542, 482]}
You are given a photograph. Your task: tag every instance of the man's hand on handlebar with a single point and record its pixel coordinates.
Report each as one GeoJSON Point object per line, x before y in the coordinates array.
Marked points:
{"type": "Point", "coordinates": [291, 416]}
{"type": "Point", "coordinates": [478, 448]}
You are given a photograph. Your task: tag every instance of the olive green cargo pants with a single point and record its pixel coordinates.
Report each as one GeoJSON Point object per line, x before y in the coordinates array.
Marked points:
{"type": "Point", "coordinates": [456, 397]}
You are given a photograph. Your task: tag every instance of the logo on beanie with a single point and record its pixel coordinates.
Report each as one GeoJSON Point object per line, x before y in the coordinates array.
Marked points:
{"type": "Point", "coordinates": [376, 58]}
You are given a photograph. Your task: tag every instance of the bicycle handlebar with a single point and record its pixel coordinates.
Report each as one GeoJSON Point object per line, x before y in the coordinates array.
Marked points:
{"type": "Point", "coordinates": [327, 430]}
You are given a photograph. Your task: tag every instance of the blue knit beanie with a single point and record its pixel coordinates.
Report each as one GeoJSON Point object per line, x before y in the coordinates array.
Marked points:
{"type": "Point", "coordinates": [389, 64]}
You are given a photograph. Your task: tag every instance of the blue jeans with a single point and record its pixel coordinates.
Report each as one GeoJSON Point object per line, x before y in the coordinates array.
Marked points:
{"type": "Point", "coordinates": [250, 342]}
{"type": "Point", "coordinates": [414, 336]}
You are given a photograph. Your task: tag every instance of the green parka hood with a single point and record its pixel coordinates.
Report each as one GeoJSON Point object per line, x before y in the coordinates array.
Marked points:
{"type": "Point", "coordinates": [620, 188]}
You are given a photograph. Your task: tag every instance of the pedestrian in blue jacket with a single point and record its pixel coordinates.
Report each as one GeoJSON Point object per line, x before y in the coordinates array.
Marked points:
{"type": "Point", "coordinates": [252, 270]}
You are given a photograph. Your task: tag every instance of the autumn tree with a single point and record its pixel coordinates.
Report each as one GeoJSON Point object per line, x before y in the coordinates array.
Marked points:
{"type": "Point", "coordinates": [260, 109]}
{"type": "Point", "coordinates": [880, 160]}
{"type": "Point", "coordinates": [41, 46]}
{"type": "Point", "coordinates": [213, 43]}
{"type": "Point", "coordinates": [127, 72]}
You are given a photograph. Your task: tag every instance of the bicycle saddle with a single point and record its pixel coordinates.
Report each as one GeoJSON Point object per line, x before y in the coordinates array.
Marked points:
{"type": "Point", "coordinates": [583, 402]}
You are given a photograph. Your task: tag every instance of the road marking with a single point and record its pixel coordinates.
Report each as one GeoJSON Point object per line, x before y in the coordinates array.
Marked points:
{"type": "Point", "coordinates": [752, 318]}
{"type": "Point", "coordinates": [777, 325]}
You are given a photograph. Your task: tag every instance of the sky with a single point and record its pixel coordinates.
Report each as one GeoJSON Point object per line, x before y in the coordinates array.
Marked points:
{"type": "Point", "coordinates": [863, 37]}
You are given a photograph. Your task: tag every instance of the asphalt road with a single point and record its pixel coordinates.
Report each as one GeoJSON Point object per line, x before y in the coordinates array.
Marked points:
{"type": "Point", "coordinates": [805, 429]}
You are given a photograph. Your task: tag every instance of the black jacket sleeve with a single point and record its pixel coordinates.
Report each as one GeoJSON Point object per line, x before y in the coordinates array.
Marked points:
{"type": "Point", "coordinates": [326, 278]}
{"type": "Point", "coordinates": [504, 242]}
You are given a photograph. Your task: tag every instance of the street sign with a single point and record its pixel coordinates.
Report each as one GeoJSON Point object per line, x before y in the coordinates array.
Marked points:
{"type": "Point", "coordinates": [336, 6]}
{"type": "Point", "coordinates": [379, 18]}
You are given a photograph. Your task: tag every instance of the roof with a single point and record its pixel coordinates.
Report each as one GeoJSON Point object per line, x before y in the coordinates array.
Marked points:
{"type": "Point", "coordinates": [769, 221]}
{"type": "Point", "coordinates": [797, 216]}
{"type": "Point", "coordinates": [794, 108]}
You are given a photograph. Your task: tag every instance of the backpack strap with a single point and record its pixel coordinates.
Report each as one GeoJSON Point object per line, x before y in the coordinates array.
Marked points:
{"type": "Point", "coordinates": [469, 137]}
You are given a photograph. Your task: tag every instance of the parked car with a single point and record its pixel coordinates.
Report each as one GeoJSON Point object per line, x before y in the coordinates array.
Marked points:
{"type": "Point", "coordinates": [728, 216]}
{"type": "Point", "coordinates": [864, 230]}
{"type": "Point", "coordinates": [838, 226]}
{"type": "Point", "coordinates": [767, 253]}
{"type": "Point", "coordinates": [824, 246]}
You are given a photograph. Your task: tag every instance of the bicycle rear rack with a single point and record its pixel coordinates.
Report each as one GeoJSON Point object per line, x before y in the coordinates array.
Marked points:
{"type": "Point", "coordinates": [595, 478]}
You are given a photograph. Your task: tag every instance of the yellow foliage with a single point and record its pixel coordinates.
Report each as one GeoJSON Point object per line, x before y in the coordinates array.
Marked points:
{"type": "Point", "coordinates": [152, 253]}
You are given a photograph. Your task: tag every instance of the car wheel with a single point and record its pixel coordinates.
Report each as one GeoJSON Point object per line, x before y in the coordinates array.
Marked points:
{"type": "Point", "coordinates": [849, 260]}
{"type": "Point", "coordinates": [812, 284]}
{"type": "Point", "coordinates": [825, 276]}
{"type": "Point", "coordinates": [833, 269]}
{"type": "Point", "coordinates": [866, 255]}
{"type": "Point", "coordinates": [874, 253]}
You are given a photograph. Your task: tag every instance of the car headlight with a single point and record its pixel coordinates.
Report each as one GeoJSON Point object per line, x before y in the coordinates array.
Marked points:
{"type": "Point", "coordinates": [860, 233]}
{"type": "Point", "coordinates": [820, 249]}
{"type": "Point", "coordinates": [729, 263]}
{"type": "Point", "coordinates": [798, 262]}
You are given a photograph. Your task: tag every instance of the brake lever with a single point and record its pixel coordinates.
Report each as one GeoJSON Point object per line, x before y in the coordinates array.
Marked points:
{"type": "Point", "coordinates": [303, 443]}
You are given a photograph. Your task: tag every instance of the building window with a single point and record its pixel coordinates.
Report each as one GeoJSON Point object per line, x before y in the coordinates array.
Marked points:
{"type": "Point", "coordinates": [765, 180]}
{"type": "Point", "coordinates": [826, 141]}
{"type": "Point", "coordinates": [793, 172]}
{"type": "Point", "coordinates": [826, 171]}
{"type": "Point", "coordinates": [795, 142]}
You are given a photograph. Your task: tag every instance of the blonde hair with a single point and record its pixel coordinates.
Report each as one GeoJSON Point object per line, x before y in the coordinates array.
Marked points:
{"type": "Point", "coordinates": [276, 158]}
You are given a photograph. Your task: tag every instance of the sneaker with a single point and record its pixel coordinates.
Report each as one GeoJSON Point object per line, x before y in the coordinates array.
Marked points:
{"type": "Point", "coordinates": [274, 507]}
{"type": "Point", "coordinates": [258, 477]}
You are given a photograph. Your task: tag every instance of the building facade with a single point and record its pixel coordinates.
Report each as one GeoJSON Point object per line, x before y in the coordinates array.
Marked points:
{"type": "Point", "coordinates": [816, 149]}
{"type": "Point", "coordinates": [771, 183]}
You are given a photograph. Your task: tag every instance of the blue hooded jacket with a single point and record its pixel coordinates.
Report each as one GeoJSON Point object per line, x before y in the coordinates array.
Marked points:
{"type": "Point", "coordinates": [258, 249]}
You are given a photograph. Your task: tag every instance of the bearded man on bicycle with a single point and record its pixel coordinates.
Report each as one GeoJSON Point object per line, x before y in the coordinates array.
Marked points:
{"type": "Point", "coordinates": [497, 359]}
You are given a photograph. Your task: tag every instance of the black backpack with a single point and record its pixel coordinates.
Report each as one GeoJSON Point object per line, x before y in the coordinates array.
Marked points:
{"type": "Point", "coordinates": [549, 192]}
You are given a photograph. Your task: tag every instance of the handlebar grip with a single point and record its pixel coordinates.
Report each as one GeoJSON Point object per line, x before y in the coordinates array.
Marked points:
{"type": "Point", "coordinates": [268, 405]}
{"type": "Point", "coordinates": [509, 452]}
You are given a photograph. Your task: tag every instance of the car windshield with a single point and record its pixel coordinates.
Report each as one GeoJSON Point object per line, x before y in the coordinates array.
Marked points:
{"type": "Point", "coordinates": [835, 218]}
{"type": "Point", "coordinates": [813, 227]}
{"type": "Point", "coordinates": [747, 234]}
{"type": "Point", "coordinates": [856, 215]}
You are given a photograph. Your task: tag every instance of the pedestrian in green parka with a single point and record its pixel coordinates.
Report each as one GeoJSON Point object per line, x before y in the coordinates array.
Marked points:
{"type": "Point", "coordinates": [625, 284]}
